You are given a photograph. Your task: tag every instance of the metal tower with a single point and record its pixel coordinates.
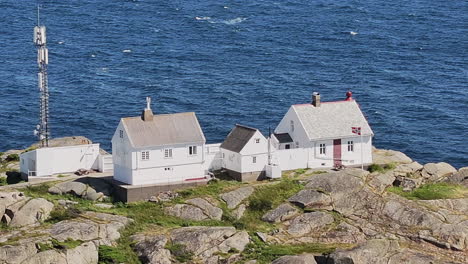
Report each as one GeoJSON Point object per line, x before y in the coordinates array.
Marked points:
{"type": "Point", "coordinates": [42, 129]}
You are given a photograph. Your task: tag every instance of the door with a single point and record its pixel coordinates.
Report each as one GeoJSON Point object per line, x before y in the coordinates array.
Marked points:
{"type": "Point", "coordinates": [337, 152]}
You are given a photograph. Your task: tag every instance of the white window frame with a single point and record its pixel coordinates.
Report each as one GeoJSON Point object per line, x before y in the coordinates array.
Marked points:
{"type": "Point", "coordinates": [192, 151]}
{"type": "Point", "coordinates": [297, 144]}
{"type": "Point", "coordinates": [257, 140]}
{"type": "Point", "coordinates": [168, 153]}
{"type": "Point", "coordinates": [350, 146]}
{"type": "Point", "coordinates": [121, 133]}
{"type": "Point", "coordinates": [322, 149]}
{"type": "Point", "coordinates": [145, 155]}
{"type": "Point", "coordinates": [254, 159]}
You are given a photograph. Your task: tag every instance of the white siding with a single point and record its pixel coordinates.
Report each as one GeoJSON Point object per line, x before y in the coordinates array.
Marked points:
{"type": "Point", "coordinates": [49, 161]}
{"type": "Point", "coordinates": [231, 160]}
{"type": "Point", "coordinates": [213, 157]}
{"type": "Point", "coordinates": [298, 135]}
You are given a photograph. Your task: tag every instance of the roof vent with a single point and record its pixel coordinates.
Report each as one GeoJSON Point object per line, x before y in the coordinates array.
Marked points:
{"type": "Point", "coordinates": [147, 114]}
{"type": "Point", "coordinates": [316, 99]}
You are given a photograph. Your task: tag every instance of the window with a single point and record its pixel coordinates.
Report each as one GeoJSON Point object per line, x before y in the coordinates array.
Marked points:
{"type": "Point", "coordinates": [192, 150]}
{"type": "Point", "coordinates": [167, 169]}
{"type": "Point", "coordinates": [121, 133]}
{"type": "Point", "coordinates": [168, 153]}
{"type": "Point", "coordinates": [350, 146]}
{"type": "Point", "coordinates": [287, 146]}
{"type": "Point", "coordinates": [254, 159]}
{"type": "Point", "coordinates": [297, 144]}
{"type": "Point", "coordinates": [257, 140]}
{"type": "Point", "coordinates": [292, 126]}
{"type": "Point", "coordinates": [223, 156]}
{"type": "Point", "coordinates": [145, 155]}
{"type": "Point", "coordinates": [322, 149]}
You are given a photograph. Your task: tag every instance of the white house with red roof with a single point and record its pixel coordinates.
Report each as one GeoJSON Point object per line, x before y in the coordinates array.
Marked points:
{"type": "Point", "coordinates": [328, 134]}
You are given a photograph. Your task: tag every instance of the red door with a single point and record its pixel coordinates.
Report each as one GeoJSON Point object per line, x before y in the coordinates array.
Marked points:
{"type": "Point", "coordinates": [337, 152]}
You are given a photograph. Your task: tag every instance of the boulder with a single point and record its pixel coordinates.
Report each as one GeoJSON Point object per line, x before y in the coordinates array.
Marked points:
{"type": "Point", "coordinates": [239, 211]}
{"type": "Point", "coordinates": [208, 208]}
{"type": "Point", "coordinates": [33, 212]}
{"type": "Point", "coordinates": [151, 249]}
{"type": "Point", "coordinates": [460, 177]}
{"type": "Point", "coordinates": [281, 213]}
{"type": "Point", "coordinates": [381, 251]}
{"type": "Point", "coordinates": [437, 171]}
{"type": "Point", "coordinates": [84, 253]}
{"type": "Point", "coordinates": [311, 199]}
{"type": "Point", "coordinates": [299, 259]}
{"type": "Point", "coordinates": [188, 212]}
{"type": "Point", "coordinates": [234, 198]}
{"type": "Point", "coordinates": [205, 241]}
{"type": "Point", "coordinates": [305, 223]}
{"type": "Point", "coordinates": [72, 187]}
{"type": "Point", "coordinates": [99, 227]}
{"type": "Point", "coordinates": [407, 169]}
{"type": "Point", "coordinates": [384, 156]}
{"type": "Point", "coordinates": [408, 184]}
{"type": "Point", "coordinates": [82, 190]}
{"type": "Point", "coordinates": [380, 181]}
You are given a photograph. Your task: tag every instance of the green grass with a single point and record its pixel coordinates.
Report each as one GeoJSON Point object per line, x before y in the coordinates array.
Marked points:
{"type": "Point", "coordinates": [213, 188]}
{"type": "Point", "coordinates": [300, 171]}
{"type": "Point", "coordinates": [432, 191]}
{"type": "Point", "coordinates": [179, 252]}
{"type": "Point", "coordinates": [3, 181]}
{"type": "Point", "coordinates": [108, 254]}
{"type": "Point", "coordinates": [266, 197]}
{"type": "Point", "coordinates": [382, 169]}
{"type": "Point", "coordinates": [265, 253]}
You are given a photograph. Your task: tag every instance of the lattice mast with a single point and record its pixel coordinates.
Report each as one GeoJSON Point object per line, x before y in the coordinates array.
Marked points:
{"type": "Point", "coordinates": [42, 129]}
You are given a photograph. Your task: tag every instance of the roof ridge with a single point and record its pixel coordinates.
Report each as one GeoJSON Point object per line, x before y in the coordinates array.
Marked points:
{"type": "Point", "coordinates": [247, 127]}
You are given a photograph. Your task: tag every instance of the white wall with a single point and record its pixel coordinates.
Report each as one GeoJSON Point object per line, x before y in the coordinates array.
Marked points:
{"type": "Point", "coordinates": [213, 157]}
{"type": "Point", "coordinates": [161, 175]}
{"type": "Point", "coordinates": [298, 135]}
{"type": "Point", "coordinates": [231, 160]}
{"type": "Point", "coordinates": [291, 159]}
{"type": "Point", "coordinates": [57, 160]}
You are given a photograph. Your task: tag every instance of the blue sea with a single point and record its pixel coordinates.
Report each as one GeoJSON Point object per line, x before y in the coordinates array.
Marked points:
{"type": "Point", "coordinates": [241, 62]}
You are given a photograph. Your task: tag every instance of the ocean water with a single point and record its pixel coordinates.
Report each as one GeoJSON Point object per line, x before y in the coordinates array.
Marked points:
{"type": "Point", "coordinates": [241, 62]}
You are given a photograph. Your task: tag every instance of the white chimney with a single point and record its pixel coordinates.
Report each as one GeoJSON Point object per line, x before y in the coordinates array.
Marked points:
{"type": "Point", "coordinates": [316, 99]}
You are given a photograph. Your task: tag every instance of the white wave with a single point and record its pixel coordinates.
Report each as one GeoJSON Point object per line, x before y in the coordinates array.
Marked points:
{"type": "Point", "coordinates": [60, 42]}
{"type": "Point", "coordinates": [126, 50]}
{"type": "Point", "coordinates": [93, 56]}
{"type": "Point", "coordinates": [202, 18]}
{"type": "Point", "coordinates": [234, 21]}
{"type": "Point", "coordinates": [226, 7]}
{"type": "Point", "coordinates": [353, 33]}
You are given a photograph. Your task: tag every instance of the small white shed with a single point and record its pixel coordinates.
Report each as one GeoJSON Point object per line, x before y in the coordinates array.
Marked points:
{"type": "Point", "coordinates": [55, 160]}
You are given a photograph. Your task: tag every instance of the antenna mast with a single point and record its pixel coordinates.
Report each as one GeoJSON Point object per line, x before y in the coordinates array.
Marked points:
{"type": "Point", "coordinates": [42, 129]}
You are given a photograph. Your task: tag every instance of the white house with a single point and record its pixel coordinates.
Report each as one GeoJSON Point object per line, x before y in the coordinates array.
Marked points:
{"type": "Point", "coordinates": [65, 159]}
{"type": "Point", "coordinates": [159, 149]}
{"type": "Point", "coordinates": [245, 153]}
{"type": "Point", "coordinates": [320, 134]}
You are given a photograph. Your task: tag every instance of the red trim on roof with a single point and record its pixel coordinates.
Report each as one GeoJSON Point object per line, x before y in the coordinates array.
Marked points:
{"type": "Point", "coordinates": [342, 101]}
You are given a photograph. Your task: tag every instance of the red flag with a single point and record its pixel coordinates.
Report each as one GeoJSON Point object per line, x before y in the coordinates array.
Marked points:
{"type": "Point", "coordinates": [356, 130]}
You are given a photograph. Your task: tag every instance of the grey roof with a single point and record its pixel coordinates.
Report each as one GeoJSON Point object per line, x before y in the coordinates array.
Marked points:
{"type": "Point", "coordinates": [165, 129]}
{"type": "Point", "coordinates": [238, 138]}
{"type": "Point", "coordinates": [283, 138]}
{"type": "Point", "coordinates": [332, 119]}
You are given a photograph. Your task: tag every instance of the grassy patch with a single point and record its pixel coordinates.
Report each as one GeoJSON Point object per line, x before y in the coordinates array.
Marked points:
{"type": "Point", "coordinates": [265, 253]}
{"type": "Point", "coordinates": [67, 244]}
{"type": "Point", "coordinates": [3, 181]}
{"type": "Point", "coordinates": [432, 191]}
{"type": "Point", "coordinates": [213, 188]}
{"type": "Point", "coordinates": [61, 176]}
{"type": "Point", "coordinates": [12, 157]}
{"type": "Point", "coordinates": [108, 254]}
{"type": "Point", "coordinates": [300, 171]}
{"type": "Point", "coordinates": [179, 252]}
{"type": "Point", "coordinates": [266, 197]}
{"type": "Point", "coordinates": [381, 168]}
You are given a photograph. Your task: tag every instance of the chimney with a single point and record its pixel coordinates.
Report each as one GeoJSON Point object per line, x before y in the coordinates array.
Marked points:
{"type": "Point", "coordinates": [147, 114]}
{"type": "Point", "coordinates": [349, 96]}
{"type": "Point", "coordinates": [316, 99]}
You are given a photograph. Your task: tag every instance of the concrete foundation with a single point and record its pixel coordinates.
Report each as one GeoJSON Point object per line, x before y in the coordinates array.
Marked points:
{"type": "Point", "coordinates": [133, 193]}
{"type": "Point", "coordinates": [247, 176]}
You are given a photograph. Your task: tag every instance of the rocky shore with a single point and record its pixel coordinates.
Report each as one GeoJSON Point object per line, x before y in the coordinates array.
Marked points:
{"type": "Point", "coordinates": [398, 211]}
